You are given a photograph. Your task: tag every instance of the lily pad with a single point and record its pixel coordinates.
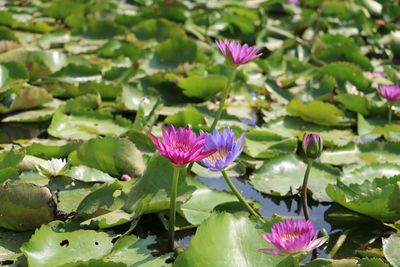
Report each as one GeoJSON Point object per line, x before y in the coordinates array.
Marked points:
{"type": "Point", "coordinates": [152, 191]}
{"type": "Point", "coordinates": [283, 176]}
{"type": "Point", "coordinates": [105, 199]}
{"type": "Point", "coordinates": [215, 238]}
{"type": "Point", "coordinates": [318, 112]}
{"type": "Point", "coordinates": [134, 251]}
{"type": "Point", "coordinates": [296, 127]}
{"type": "Point", "coordinates": [377, 198]}
{"type": "Point", "coordinates": [25, 206]}
{"type": "Point", "coordinates": [10, 243]}
{"type": "Point", "coordinates": [391, 249]}
{"type": "Point", "coordinates": [203, 201]}
{"type": "Point", "coordinates": [262, 144]}
{"type": "Point", "coordinates": [115, 156]}
{"type": "Point", "coordinates": [50, 248]}
{"type": "Point", "coordinates": [12, 73]}
{"type": "Point", "coordinates": [369, 172]}
{"type": "Point", "coordinates": [375, 128]}
{"type": "Point", "coordinates": [202, 87]}
{"type": "Point", "coordinates": [87, 174]}
{"type": "Point", "coordinates": [86, 125]}
{"type": "Point", "coordinates": [362, 154]}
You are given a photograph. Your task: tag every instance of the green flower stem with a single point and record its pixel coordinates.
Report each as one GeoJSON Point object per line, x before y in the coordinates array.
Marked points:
{"type": "Point", "coordinates": [390, 112]}
{"type": "Point", "coordinates": [339, 242]}
{"type": "Point", "coordinates": [225, 95]}
{"type": "Point", "coordinates": [172, 207]}
{"type": "Point", "coordinates": [296, 262]}
{"type": "Point", "coordinates": [240, 197]}
{"type": "Point", "coordinates": [304, 190]}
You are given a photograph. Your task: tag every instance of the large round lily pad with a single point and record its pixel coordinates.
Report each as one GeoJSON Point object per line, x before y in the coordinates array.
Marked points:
{"type": "Point", "coordinates": [25, 206]}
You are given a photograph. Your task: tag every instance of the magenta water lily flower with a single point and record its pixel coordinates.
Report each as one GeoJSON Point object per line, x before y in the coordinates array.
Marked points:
{"type": "Point", "coordinates": [227, 149]}
{"type": "Point", "coordinates": [235, 53]}
{"type": "Point", "coordinates": [390, 92]}
{"type": "Point", "coordinates": [293, 2]}
{"type": "Point", "coordinates": [292, 237]}
{"type": "Point", "coordinates": [181, 146]}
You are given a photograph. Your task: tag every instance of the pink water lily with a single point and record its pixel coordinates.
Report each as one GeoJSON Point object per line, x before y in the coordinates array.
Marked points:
{"type": "Point", "coordinates": [181, 146]}
{"type": "Point", "coordinates": [390, 92]}
{"type": "Point", "coordinates": [238, 54]}
{"type": "Point", "coordinates": [292, 237]}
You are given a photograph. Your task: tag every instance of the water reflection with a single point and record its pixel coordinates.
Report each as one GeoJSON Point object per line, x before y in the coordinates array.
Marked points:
{"type": "Point", "coordinates": [286, 207]}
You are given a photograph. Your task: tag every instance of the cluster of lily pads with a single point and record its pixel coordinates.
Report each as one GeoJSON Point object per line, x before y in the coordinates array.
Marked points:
{"type": "Point", "coordinates": [119, 119]}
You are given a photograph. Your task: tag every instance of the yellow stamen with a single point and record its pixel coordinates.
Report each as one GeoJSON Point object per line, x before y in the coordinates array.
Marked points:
{"type": "Point", "coordinates": [219, 154]}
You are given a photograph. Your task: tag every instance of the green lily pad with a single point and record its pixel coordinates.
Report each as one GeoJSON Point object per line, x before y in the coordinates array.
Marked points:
{"type": "Point", "coordinates": [343, 71]}
{"type": "Point", "coordinates": [332, 48]}
{"type": "Point", "coordinates": [134, 251]}
{"type": "Point", "coordinates": [159, 29]}
{"type": "Point", "coordinates": [105, 199]}
{"type": "Point", "coordinates": [205, 87]}
{"type": "Point", "coordinates": [48, 148]}
{"type": "Point", "coordinates": [203, 201]}
{"type": "Point", "coordinates": [9, 162]}
{"type": "Point", "coordinates": [12, 73]}
{"type": "Point", "coordinates": [152, 191]}
{"type": "Point", "coordinates": [25, 206]}
{"type": "Point", "coordinates": [44, 113]}
{"type": "Point", "coordinates": [360, 104]}
{"type": "Point", "coordinates": [109, 220]}
{"type": "Point", "coordinates": [283, 176]}
{"type": "Point", "coordinates": [188, 116]}
{"type": "Point", "coordinates": [225, 240]}
{"type": "Point", "coordinates": [115, 156]}
{"type": "Point", "coordinates": [377, 198]}
{"type": "Point", "coordinates": [86, 125]}
{"type": "Point", "coordinates": [296, 127]}
{"type": "Point", "coordinates": [51, 248]}
{"type": "Point", "coordinates": [373, 129]}
{"type": "Point", "coordinates": [10, 243]}
{"type": "Point", "coordinates": [69, 193]}
{"type": "Point", "coordinates": [362, 154]}
{"type": "Point", "coordinates": [391, 249]}
{"type": "Point", "coordinates": [165, 52]}
{"type": "Point", "coordinates": [262, 144]}
{"type": "Point", "coordinates": [369, 172]}
{"type": "Point", "coordinates": [29, 97]}
{"type": "Point", "coordinates": [318, 112]}
{"type": "Point", "coordinates": [87, 174]}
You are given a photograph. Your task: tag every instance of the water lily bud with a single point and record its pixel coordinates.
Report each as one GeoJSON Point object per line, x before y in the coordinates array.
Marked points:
{"type": "Point", "coordinates": [125, 177]}
{"type": "Point", "coordinates": [312, 145]}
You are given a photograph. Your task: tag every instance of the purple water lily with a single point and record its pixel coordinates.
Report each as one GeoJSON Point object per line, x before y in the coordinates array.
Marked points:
{"type": "Point", "coordinates": [390, 92]}
{"type": "Point", "coordinates": [292, 237]}
{"type": "Point", "coordinates": [227, 149]}
{"type": "Point", "coordinates": [239, 54]}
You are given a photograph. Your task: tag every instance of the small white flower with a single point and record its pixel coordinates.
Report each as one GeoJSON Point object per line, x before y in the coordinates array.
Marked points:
{"type": "Point", "coordinates": [53, 167]}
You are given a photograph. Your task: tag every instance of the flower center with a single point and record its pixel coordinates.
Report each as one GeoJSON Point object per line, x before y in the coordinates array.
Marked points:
{"type": "Point", "coordinates": [181, 147]}
{"type": "Point", "coordinates": [218, 155]}
{"type": "Point", "coordinates": [290, 236]}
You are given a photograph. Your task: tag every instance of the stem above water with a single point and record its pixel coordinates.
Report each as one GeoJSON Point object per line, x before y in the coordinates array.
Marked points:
{"type": "Point", "coordinates": [225, 95]}
{"type": "Point", "coordinates": [240, 197]}
{"type": "Point", "coordinates": [304, 190]}
{"type": "Point", "coordinates": [172, 207]}
{"type": "Point", "coordinates": [390, 112]}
